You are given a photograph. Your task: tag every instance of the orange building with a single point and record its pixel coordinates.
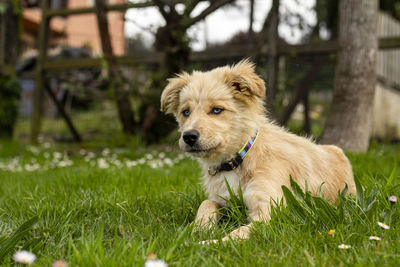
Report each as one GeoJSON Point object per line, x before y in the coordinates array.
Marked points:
{"type": "Point", "coordinates": [82, 29]}
{"type": "Point", "coordinates": [75, 30]}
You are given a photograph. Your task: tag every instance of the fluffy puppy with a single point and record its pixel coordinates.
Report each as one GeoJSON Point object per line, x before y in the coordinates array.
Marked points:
{"type": "Point", "coordinates": [223, 123]}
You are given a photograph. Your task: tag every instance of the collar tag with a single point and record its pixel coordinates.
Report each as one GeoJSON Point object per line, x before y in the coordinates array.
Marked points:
{"type": "Point", "coordinates": [212, 171]}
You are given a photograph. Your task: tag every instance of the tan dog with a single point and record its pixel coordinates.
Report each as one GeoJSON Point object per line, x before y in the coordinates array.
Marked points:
{"type": "Point", "coordinates": [222, 110]}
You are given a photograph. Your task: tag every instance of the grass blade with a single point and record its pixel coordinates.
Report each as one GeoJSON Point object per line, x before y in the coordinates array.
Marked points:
{"type": "Point", "coordinates": [360, 192]}
{"type": "Point", "coordinates": [9, 244]}
{"type": "Point", "coordinates": [390, 179]}
{"type": "Point", "coordinates": [177, 242]}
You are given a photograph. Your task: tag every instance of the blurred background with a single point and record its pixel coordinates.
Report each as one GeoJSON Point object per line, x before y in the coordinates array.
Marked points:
{"type": "Point", "coordinates": [92, 71]}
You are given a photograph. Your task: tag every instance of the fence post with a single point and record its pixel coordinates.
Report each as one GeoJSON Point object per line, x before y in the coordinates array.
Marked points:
{"type": "Point", "coordinates": [36, 120]}
{"type": "Point", "coordinates": [120, 94]}
{"type": "Point", "coordinates": [61, 110]}
{"type": "Point", "coordinates": [273, 58]}
{"type": "Point", "coordinates": [2, 40]}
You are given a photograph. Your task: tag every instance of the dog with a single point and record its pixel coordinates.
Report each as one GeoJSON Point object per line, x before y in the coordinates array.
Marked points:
{"type": "Point", "coordinates": [223, 123]}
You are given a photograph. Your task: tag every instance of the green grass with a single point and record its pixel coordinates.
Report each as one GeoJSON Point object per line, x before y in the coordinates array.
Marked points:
{"type": "Point", "coordinates": [99, 125]}
{"type": "Point", "coordinates": [117, 216]}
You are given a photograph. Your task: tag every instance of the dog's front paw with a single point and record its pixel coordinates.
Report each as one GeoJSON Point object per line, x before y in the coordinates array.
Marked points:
{"type": "Point", "coordinates": [207, 214]}
{"type": "Point", "coordinates": [241, 233]}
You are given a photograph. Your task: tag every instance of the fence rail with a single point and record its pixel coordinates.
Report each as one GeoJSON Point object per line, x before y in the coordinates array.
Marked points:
{"type": "Point", "coordinates": [388, 65]}
{"type": "Point", "coordinates": [386, 42]}
{"type": "Point", "coordinates": [313, 49]}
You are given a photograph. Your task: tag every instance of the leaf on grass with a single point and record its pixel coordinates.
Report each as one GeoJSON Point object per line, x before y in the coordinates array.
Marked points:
{"type": "Point", "coordinates": [235, 208]}
{"type": "Point", "coordinates": [9, 243]}
{"type": "Point", "coordinates": [360, 192]}
{"type": "Point", "coordinates": [390, 180]}
{"type": "Point", "coordinates": [296, 189]}
{"type": "Point", "coordinates": [178, 242]}
{"type": "Point", "coordinates": [294, 205]}
{"type": "Point", "coordinates": [344, 191]}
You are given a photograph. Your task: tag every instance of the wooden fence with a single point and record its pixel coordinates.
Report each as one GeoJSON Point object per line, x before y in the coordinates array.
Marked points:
{"type": "Point", "coordinates": [388, 65]}
{"type": "Point", "coordinates": [44, 65]}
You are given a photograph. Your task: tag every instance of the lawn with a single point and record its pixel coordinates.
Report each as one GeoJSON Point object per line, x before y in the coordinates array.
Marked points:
{"type": "Point", "coordinates": [115, 206]}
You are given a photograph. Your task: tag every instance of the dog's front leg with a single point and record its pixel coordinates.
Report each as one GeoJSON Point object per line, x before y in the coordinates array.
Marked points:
{"type": "Point", "coordinates": [207, 214]}
{"type": "Point", "coordinates": [257, 214]}
{"type": "Point", "coordinates": [243, 232]}
{"type": "Point", "coordinates": [258, 204]}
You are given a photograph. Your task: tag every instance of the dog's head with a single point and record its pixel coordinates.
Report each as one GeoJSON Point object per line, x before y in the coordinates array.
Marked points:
{"type": "Point", "coordinates": [215, 109]}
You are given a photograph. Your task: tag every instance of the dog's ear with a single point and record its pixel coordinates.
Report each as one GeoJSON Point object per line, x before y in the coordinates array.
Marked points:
{"type": "Point", "coordinates": [242, 78]}
{"type": "Point", "coordinates": [170, 94]}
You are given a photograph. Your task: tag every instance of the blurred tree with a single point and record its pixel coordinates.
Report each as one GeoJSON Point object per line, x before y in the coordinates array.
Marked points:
{"type": "Point", "coordinates": [172, 41]}
{"type": "Point", "coordinates": [349, 121]}
{"type": "Point", "coordinates": [9, 99]}
{"type": "Point", "coordinates": [327, 16]}
{"type": "Point", "coordinates": [392, 7]}
{"type": "Point", "coordinates": [268, 40]}
{"type": "Point", "coordinates": [327, 19]}
{"type": "Point", "coordinates": [251, 22]}
{"type": "Point", "coordinates": [121, 94]}
{"type": "Point", "coordinates": [273, 57]}
{"type": "Point", "coordinates": [10, 12]}
{"type": "Point", "coordinates": [136, 44]}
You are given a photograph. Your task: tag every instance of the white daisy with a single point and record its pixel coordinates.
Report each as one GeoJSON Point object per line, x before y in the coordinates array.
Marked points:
{"type": "Point", "coordinates": [24, 257]}
{"type": "Point", "coordinates": [384, 226]}
{"type": "Point", "coordinates": [57, 155]}
{"type": "Point", "coordinates": [344, 246]}
{"type": "Point", "coordinates": [155, 263]}
{"type": "Point", "coordinates": [130, 163]}
{"type": "Point", "coordinates": [393, 199]}
{"type": "Point", "coordinates": [46, 145]}
{"type": "Point", "coordinates": [376, 238]}
{"type": "Point", "coordinates": [168, 161]}
{"type": "Point", "coordinates": [105, 152]}
{"type": "Point", "coordinates": [102, 163]}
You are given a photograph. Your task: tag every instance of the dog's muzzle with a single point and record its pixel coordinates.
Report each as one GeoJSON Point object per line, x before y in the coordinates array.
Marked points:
{"type": "Point", "coordinates": [190, 137]}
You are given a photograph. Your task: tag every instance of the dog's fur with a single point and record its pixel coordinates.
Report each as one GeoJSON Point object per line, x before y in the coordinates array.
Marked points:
{"type": "Point", "coordinates": [275, 156]}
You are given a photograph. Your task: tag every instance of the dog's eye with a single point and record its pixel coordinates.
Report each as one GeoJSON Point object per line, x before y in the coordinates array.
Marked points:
{"type": "Point", "coordinates": [216, 110]}
{"type": "Point", "coordinates": [186, 113]}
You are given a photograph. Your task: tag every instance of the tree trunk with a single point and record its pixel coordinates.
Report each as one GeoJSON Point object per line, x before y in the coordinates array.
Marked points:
{"type": "Point", "coordinates": [40, 76]}
{"type": "Point", "coordinates": [251, 22]}
{"type": "Point", "coordinates": [120, 94]}
{"type": "Point", "coordinates": [307, 120]}
{"type": "Point", "coordinates": [172, 42]}
{"type": "Point", "coordinates": [349, 122]}
{"type": "Point", "coordinates": [273, 59]}
{"type": "Point", "coordinates": [301, 91]}
{"type": "Point", "coordinates": [9, 34]}
{"type": "Point", "coordinates": [9, 87]}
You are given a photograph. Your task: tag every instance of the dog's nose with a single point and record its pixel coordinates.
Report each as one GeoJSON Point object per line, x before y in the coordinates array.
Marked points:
{"type": "Point", "coordinates": [190, 137]}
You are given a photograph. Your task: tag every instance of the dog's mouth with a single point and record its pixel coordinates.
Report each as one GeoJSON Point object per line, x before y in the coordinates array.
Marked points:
{"type": "Point", "coordinates": [195, 150]}
{"type": "Point", "coordinates": [198, 151]}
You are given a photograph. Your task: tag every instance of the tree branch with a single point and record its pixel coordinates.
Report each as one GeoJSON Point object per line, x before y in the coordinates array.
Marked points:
{"type": "Point", "coordinates": [301, 91]}
{"type": "Point", "coordinates": [263, 35]}
{"type": "Point", "coordinates": [213, 6]}
{"type": "Point", "coordinates": [190, 6]}
{"type": "Point", "coordinates": [134, 22]}
{"type": "Point", "coordinates": [160, 5]}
